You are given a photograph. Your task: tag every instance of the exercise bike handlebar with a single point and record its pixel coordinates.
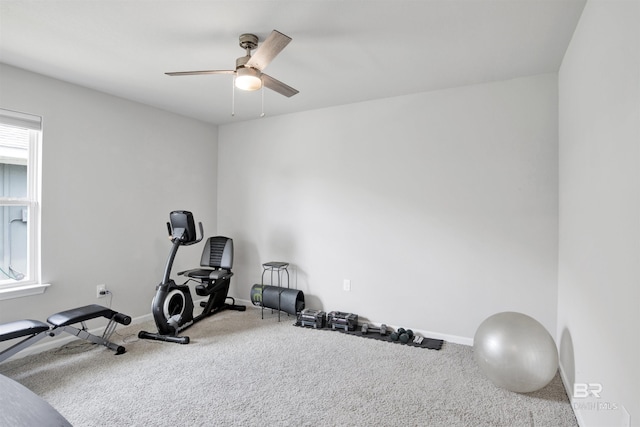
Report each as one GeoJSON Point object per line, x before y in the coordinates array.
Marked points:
{"type": "Point", "coordinates": [201, 234]}
{"type": "Point", "coordinates": [179, 237]}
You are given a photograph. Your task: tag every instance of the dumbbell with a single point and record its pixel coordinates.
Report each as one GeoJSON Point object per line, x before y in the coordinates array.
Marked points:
{"type": "Point", "coordinates": [366, 328]}
{"type": "Point", "coordinates": [403, 335]}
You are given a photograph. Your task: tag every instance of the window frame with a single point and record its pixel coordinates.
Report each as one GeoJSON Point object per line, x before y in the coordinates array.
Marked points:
{"type": "Point", "coordinates": [32, 283]}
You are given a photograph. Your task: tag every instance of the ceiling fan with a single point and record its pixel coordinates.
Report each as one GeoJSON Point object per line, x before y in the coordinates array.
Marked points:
{"type": "Point", "coordinates": [248, 72]}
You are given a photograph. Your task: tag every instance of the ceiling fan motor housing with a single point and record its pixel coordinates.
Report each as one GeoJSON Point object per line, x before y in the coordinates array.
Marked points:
{"type": "Point", "coordinates": [248, 41]}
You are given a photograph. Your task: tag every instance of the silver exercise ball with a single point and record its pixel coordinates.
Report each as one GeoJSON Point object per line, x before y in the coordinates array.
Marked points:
{"type": "Point", "coordinates": [515, 352]}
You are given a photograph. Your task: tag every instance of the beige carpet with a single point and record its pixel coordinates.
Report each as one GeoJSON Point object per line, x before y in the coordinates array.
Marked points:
{"type": "Point", "coordinates": [240, 370]}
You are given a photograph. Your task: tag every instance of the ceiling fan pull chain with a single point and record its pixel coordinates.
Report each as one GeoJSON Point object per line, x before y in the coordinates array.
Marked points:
{"type": "Point", "coordinates": [262, 114]}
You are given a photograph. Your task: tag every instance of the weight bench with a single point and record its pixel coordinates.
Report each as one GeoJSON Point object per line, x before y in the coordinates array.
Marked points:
{"type": "Point", "coordinates": [34, 330]}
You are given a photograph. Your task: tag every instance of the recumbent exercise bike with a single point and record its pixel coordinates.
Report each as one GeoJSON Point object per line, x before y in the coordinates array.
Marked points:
{"type": "Point", "coordinates": [172, 306]}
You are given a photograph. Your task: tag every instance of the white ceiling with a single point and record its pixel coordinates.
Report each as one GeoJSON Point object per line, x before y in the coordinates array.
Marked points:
{"type": "Point", "coordinates": [342, 51]}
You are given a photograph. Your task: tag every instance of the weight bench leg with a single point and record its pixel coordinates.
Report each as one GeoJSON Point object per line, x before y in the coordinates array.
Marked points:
{"type": "Point", "coordinates": [83, 334]}
{"type": "Point", "coordinates": [16, 348]}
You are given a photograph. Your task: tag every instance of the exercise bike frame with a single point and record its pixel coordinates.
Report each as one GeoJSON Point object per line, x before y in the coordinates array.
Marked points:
{"type": "Point", "coordinates": [172, 306]}
{"type": "Point", "coordinates": [169, 324]}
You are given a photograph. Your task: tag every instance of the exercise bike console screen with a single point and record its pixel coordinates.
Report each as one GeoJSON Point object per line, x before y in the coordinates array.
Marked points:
{"type": "Point", "coordinates": [182, 226]}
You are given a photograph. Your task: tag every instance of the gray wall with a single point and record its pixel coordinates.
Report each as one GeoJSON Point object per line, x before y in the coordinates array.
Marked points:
{"type": "Point", "coordinates": [112, 171]}
{"type": "Point", "coordinates": [441, 207]}
{"type": "Point", "coordinates": [599, 261]}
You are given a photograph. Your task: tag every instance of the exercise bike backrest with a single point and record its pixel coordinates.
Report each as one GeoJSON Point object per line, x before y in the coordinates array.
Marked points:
{"type": "Point", "coordinates": [182, 232]}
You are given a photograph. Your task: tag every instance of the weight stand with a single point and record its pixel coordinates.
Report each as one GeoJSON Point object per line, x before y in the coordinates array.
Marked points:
{"type": "Point", "coordinates": [275, 267]}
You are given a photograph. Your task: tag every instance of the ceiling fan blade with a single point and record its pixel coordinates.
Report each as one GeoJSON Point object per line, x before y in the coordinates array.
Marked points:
{"type": "Point", "coordinates": [278, 86]}
{"type": "Point", "coordinates": [268, 50]}
{"type": "Point", "coordinates": [194, 73]}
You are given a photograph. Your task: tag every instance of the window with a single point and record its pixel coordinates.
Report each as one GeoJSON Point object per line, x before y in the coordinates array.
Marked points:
{"type": "Point", "coordinates": [20, 143]}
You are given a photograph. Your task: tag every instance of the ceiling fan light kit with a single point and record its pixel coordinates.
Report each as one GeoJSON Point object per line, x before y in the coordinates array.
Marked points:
{"type": "Point", "coordinates": [248, 79]}
{"type": "Point", "coordinates": [248, 74]}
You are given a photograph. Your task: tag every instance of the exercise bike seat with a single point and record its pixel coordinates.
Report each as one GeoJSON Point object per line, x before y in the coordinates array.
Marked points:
{"type": "Point", "coordinates": [80, 314]}
{"type": "Point", "coordinates": [216, 261]}
{"type": "Point", "coordinates": [212, 280]}
{"type": "Point", "coordinates": [215, 266]}
{"type": "Point", "coordinates": [207, 274]}
{"type": "Point", "coordinates": [21, 328]}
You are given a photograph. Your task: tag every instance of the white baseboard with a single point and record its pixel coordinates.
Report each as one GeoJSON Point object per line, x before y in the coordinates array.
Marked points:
{"type": "Point", "coordinates": [568, 388]}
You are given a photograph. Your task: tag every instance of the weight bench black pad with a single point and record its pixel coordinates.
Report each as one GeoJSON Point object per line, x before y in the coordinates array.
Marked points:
{"type": "Point", "coordinates": [21, 328]}
{"type": "Point", "coordinates": [34, 331]}
{"type": "Point", "coordinates": [80, 314]}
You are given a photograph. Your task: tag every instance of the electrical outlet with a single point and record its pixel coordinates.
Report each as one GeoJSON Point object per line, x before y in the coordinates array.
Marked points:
{"type": "Point", "coordinates": [101, 291]}
{"type": "Point", "coordinates": [346, 284]}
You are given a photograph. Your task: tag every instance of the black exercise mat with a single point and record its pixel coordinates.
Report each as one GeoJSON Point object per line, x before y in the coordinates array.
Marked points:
{"type": "Point", "coordinates": [430, 343]}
